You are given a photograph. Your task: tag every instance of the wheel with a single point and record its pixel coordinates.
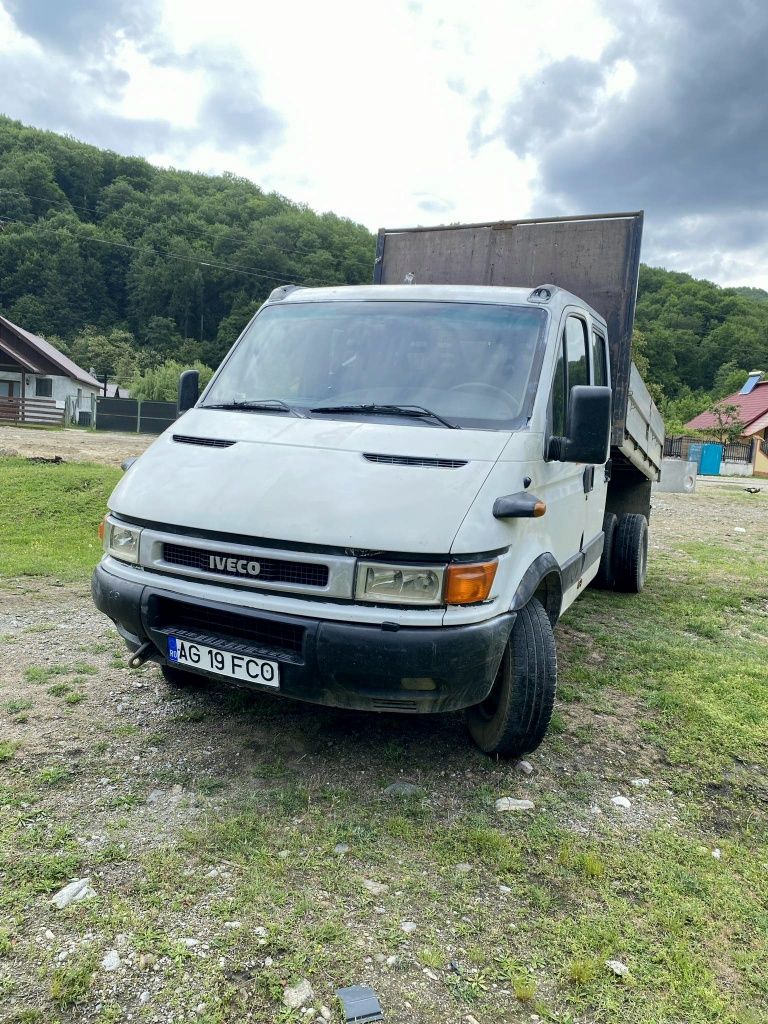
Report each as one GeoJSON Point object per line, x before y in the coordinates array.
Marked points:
{"type": "Point", "coordinates": [606, 572]}
{"type": "Point", "coordinates": [178, 677]}
{"type": "Point", "coordinates": [630, 553]}
{"type": "Point", "coordinates": [514, 717]}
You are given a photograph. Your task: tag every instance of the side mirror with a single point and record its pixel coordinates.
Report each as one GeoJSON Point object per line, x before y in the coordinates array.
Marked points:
{"type": "Point", "coordinates": [189, 389]}
{"type": "Point", "coordinates": [589, 427]}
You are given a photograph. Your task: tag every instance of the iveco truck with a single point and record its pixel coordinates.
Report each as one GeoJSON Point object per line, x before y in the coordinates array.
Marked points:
{"type": "Point", "coordinates": [388, 495]}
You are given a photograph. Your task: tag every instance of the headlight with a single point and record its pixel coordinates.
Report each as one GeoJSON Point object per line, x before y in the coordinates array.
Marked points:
{"type": "Point", "coordinates": [400, 584]}
{"type": "Point", "coordinates": [122, 541]}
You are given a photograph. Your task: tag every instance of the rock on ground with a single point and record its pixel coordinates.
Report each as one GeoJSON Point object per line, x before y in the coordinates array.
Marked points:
{"type": "Point", "coordinates": [621, 801]}
{"type": "Point", "coordinates": [78, 889]}
{"type": "Point", "coordinates": [298, 995]}
{"type": "Point", "coordinates": [508, 803]}
{"type": "Point", "coordinates": [619, 969]}
{"type": "Point", "coordinates": [402, 789]}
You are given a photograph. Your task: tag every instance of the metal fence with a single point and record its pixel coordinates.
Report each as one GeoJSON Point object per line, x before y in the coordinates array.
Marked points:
{"type": "Point", "coordinates": [41, 411]}
{"type": "Point", "coordinates": [134, 416]}
{"type": "Point", "coordinates": [733, 451]}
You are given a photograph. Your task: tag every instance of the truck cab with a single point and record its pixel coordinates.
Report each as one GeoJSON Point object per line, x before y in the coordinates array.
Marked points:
{"type": "Point", "coordinates": [384, 500]}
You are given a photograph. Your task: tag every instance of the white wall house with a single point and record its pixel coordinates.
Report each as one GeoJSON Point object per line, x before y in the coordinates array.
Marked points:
{"type": "Point", "coordinates": [30, 367]}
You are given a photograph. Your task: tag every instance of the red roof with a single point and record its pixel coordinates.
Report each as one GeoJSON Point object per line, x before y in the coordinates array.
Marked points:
{"type": "Point", "coordinates": [751, 407]}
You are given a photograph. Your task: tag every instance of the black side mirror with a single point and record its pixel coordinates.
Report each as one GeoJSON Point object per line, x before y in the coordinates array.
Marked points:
{"type": "Point", "coordinates": [189, 389]}
{"type": "Point", "coordinates": [589, 427]}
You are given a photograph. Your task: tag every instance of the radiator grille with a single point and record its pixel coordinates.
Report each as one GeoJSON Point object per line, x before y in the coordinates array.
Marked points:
{"type": "Point", "coordinates": [271, 570]}
{"type": "Point", "coordinates": [412, 460]}
{"type": "Point", "coordinates": [170, 615]}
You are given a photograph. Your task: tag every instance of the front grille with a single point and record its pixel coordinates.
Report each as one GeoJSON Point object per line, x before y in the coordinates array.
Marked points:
{"type": "Point", "coordinates": [271, 570]}
{"type": "Point", "coordinates": [412, 460]}
{"type": "Point", "coordinates": [172, 616]}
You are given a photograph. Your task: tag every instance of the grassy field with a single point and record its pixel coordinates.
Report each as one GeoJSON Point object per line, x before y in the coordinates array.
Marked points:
{"type": "Point", "coordinates": [272, 852]}
{"type": "Point", "coordinates": [49, 517]}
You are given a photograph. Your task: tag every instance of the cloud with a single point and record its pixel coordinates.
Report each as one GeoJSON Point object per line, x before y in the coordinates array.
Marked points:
{"type": "Point", "coordinates": [72, 81]}
{"type": "Point", "coordinates": [687, 140]}
{"type": "Point", "coordinates": [433, 204]}
{"type": "Point", "coordinates": [88, 27]}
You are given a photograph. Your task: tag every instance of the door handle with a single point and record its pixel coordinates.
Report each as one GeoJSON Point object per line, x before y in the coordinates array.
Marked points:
{"type": "Point", "coordinates": [589, 478]}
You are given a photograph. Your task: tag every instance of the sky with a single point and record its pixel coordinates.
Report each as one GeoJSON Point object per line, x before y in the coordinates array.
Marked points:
{"type": "Point", "coordinates": [430, 111]}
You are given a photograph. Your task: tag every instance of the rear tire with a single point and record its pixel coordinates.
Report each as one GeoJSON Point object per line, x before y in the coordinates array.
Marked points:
{"type": "Point", "coordinates": [631, 553]}
{"type": "Point", "coordinates": [178, 677]}
{"type": "Point", "coordinates": [605, 578]}
{"type": "Point", "coordinates": [514, 717]}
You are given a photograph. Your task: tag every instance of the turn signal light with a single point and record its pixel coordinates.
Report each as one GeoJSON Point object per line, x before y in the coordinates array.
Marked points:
{"type": "Point", "coordinates": [468, 584]}
{"type": "Point", "coordinates": [101, 531]}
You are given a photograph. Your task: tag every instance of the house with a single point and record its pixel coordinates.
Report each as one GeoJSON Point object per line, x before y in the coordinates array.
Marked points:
{"type": "Point", "coordinates": [752, 403]}
{"type": "Point", "coordinates": [30, 367]}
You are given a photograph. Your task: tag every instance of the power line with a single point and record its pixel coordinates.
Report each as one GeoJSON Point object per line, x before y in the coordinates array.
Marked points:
{"type": "Point", "coordinates": [271, 275]}
{"type": "Point", "coordinates": [194, 227]}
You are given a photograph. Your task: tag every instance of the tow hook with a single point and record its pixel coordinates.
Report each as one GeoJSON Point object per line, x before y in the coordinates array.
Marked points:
{"type": "Point", "coordinates": [138, 658]}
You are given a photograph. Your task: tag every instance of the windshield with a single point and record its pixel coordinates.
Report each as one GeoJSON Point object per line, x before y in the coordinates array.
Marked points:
{"type": "Point", "coordinates": [470, 363]}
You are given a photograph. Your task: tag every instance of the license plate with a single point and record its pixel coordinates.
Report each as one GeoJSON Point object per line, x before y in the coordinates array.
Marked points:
{"type": "Point", "coordinates": [223, 663]}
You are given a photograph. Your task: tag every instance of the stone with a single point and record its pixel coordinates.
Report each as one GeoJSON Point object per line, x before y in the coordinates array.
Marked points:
{"type": "Point", "coordinates": [155, 796]}
{"type": "Point", "coordinates": [268, 961]}
{"type": "Point", "coordinates": [402, 789]}
{"type": "Point", "coordinates": [391, 961]}
{"type": "Point", "coordinates": [505, 890]}
{"type": "Point", "coordinates": [79, 889]}
{"type": "Point", "coordinates": [716, 854]}
{"type": "Point", "coordinates": [341, 849]}
{"type": "Point", "coordinates": [298, 995]}
{"type": "Point", "coordinates": [190, 943]}
{"type": "Point", "coordinates": [144, 997]}
{"type": "Point", "coordinates": [374, 888]}
{"type": "Point", "coordinates": [525, 767]}
{"type": "Point", "coordinates": [49, 934]}
{"type": "Point", "coordinates": [619, 969]}
{"type": "Point", "coordinates": [739, 529]}
{"type": "Point", "coordinates": [594, 809]}
{"type": "Point", "coordinates": [111, 961]}
{"type": "Point", "coordinates": [508, 803]}
{"type": "Point", "coordinates": [621, 801]}
{"type": "Point", "coordinates": [640, 783]}
{"type": "Point", "coordinates": [233, 924]}
{"type": "Point", "coordinates": [284, 854]}
{"type": "Point", "coordinates": [462, 869]}
{"type": "Point", "coordinates": [260, 931]}
{"type": "Point", "coordinates": [408, 927]}
{"type": "Point", "coordinates": [325, 1013]}
{"type": "Point", "coordinates": [430, 974]}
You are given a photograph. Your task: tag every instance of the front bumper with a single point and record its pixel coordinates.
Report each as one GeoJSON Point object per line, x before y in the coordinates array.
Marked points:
{"type": "Point", "coordinates": [339, 664]}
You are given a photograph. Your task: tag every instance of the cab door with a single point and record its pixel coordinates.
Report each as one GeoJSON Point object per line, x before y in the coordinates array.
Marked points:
{"type": "Point", "coordinates": [567, 484]}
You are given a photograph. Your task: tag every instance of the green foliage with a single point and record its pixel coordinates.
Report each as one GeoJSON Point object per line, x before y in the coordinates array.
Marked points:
{"type": "Point", "coordinates": [129, 266]}
{"type": "Point", "coordinates": [162, 383]}
{"type": "Point", "coordinates": [231, 244]}
{"type": "Point", "coordinates": [728, 424]}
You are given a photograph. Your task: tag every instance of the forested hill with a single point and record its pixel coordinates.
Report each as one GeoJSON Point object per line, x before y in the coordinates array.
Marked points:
{"type": "Point", "coordinates": [127, 265]}
{"type": "Point", "coordinates": [87, 235]}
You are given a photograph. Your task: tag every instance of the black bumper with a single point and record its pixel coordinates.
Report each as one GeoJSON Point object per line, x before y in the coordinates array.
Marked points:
{"type": "Point", "coordinates": [340, 664]}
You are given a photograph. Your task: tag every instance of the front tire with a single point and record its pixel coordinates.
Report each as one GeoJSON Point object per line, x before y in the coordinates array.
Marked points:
{"type": "Point", "coordinates": [631, 553]}
{"type": "Point", "coordinates": [514, 717]}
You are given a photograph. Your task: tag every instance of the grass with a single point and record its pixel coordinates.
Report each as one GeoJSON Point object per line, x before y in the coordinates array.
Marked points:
{"type": "Point", "coordinates": [50, 527]}
{"type": "Point", "coordinates": [671, 686]}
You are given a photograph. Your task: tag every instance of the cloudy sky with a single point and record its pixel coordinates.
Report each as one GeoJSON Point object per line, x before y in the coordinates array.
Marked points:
{"type": "Point", "coordinates": [427, 111]}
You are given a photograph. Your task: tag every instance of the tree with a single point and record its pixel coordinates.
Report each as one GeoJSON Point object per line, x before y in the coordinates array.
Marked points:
{"type": "Point", "coordinates": [728, 380]}
{"type": "Point", "coordinates": [162, 383]}
{"type": "Point", "coordinates": [729, 425]}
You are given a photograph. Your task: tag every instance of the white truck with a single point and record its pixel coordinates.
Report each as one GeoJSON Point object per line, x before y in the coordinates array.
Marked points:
{"type": "Point", "coordinates": [388, 495]}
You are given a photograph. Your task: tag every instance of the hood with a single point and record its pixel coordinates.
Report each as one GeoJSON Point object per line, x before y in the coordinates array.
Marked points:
{"type": "Point", "coordinates": [311, 481]}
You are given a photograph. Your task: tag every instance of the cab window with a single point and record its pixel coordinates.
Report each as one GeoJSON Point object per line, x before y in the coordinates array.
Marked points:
{"type": "Point", "coordinates": [599, 360]}
{"type": "Point", "coordinates": [572, 368]}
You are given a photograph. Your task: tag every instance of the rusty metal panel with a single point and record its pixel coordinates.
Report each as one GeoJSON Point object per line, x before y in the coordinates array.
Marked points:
{"type": "Point", "coordinates": [595, 257]}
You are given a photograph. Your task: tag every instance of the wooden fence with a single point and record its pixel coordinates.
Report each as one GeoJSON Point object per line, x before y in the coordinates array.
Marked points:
{"type": "Point", "coordinates": [41, 411]}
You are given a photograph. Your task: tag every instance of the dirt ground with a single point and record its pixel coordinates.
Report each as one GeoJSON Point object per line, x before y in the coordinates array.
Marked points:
{"type": "Point", "coordinates": [125, 766]}
{"type": "Point", "coordinates": [72, 445]}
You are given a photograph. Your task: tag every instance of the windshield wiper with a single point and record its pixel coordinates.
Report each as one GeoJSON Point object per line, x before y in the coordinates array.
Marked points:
{"type": "Point", "coordinates": [258, 405]}
{"type": "Point", "coordinates": [415, 411]}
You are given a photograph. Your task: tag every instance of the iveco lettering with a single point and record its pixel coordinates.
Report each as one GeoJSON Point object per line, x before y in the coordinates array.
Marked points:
{"type": "Point", "coordinates": [413, 481]}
